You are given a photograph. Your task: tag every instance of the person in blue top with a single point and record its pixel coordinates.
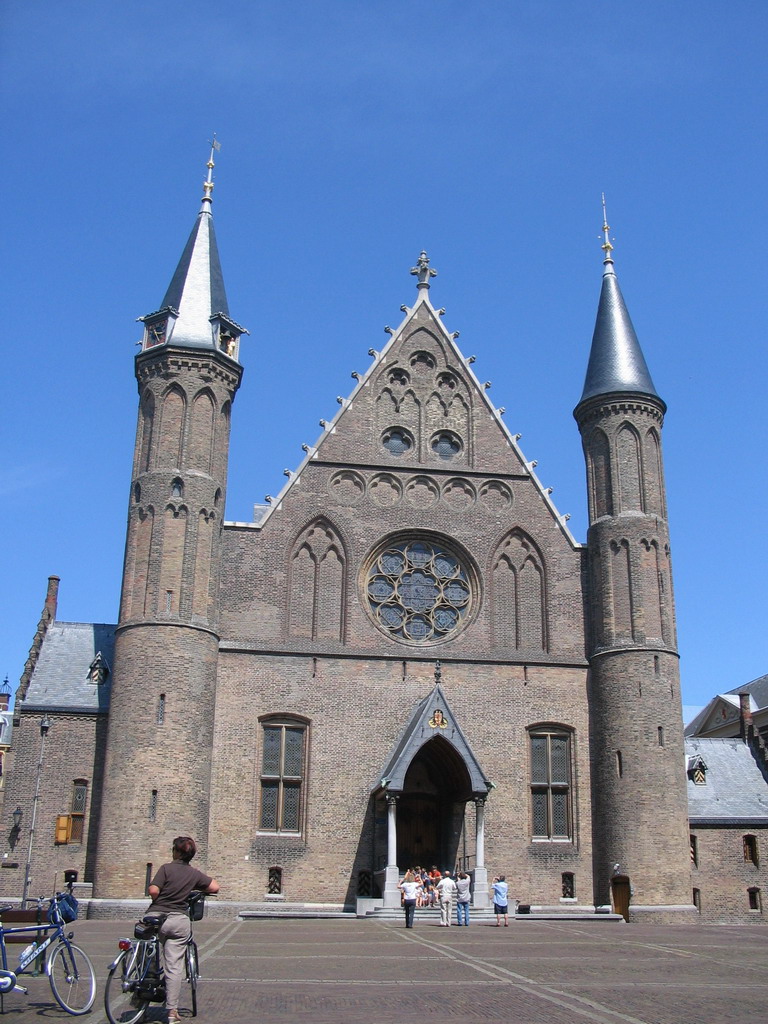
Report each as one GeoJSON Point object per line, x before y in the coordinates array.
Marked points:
{"type": "Point", "coordinates": [501, 900]}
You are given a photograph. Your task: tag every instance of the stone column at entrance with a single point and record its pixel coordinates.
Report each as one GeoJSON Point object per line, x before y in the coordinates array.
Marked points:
{"type": "Point", "coordinates": [480, 898]}
{"type": "Point", "coordinates": [391, 892]}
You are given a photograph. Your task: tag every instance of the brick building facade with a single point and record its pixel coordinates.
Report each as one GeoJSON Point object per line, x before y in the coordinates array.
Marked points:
{"type": "Point", "coordinates": [406, 658]}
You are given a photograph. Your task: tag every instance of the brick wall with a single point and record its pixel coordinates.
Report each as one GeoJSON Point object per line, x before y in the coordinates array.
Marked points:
{"type": "Point", "coordinates": [724, 878]}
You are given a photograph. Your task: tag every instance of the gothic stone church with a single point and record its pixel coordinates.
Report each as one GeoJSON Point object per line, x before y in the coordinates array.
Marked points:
{"type": "Point", "coordinates": [413, 572]}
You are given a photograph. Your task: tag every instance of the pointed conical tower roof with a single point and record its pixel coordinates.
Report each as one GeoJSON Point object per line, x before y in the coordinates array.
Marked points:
{"type": "Point", "coordinates": [616, 361]}
{"type": "Point", "coordinates": [196, 298]}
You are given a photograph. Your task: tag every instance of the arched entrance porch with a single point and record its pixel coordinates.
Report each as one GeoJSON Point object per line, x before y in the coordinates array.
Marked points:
{"type": "Point", "coordinates": [430, 777]}
{"type": "Point", "coordinates": [431, 808]}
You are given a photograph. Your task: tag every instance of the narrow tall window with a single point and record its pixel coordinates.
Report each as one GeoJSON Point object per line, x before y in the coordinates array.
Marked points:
{"type": "Point", "coordinates": [755, 899]}
{"type": "Point", "coordinates": [77, 813]}
{"type": "Point", "coordinates": [282, 776]}
{"type": "Point", "coordinates": [153, 805]}
{"type": "Point", "coordinates": [619, 764]}
{"type": "Point", "coordinates": [550, 784]}
{"type": "Point", "coordinates": [750, 850]}
{"type": "Point", "coordinates": [147, 879]}
{"type": "Point", "coordinates": [161, 709]}
{"type": "Point", "coordinates": [569, 886]}
{"type": "Point", "coordinates": [660, 732]}
{"type": "Point", "coordinates": [697, 899]}
{"type": "Point", "coordinates": [694, 850]}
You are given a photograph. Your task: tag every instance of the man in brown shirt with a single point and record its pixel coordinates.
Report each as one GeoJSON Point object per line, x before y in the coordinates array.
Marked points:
{"type": "Point", "coordinates": [169, 890]}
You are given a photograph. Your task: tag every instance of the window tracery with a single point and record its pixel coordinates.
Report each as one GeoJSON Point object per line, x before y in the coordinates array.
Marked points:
{"type": "Point", "coordinates": [419, 591]}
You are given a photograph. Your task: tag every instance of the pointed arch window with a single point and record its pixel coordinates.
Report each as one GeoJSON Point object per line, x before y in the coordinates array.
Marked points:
{"type": "Point", "coordinates": [551, 787]}
{"type": "Point", "coordinates": [520, 595]}
{"type": "Point", "coordinates": [317, 584]}
{"type": "Point", "coordinates": [283, 773]}
{"type": "Point", "coordinates": [599, 475]}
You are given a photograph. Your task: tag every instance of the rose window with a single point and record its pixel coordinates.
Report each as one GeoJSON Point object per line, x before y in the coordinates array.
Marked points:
{"type": "Point", "coordinates": [418, 591]}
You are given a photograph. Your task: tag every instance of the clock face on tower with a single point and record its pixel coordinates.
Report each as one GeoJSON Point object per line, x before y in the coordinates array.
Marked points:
{"type": "Point", "coordinates": [156, 333]}
{"type": "Point", "coordinates": [419, 591]}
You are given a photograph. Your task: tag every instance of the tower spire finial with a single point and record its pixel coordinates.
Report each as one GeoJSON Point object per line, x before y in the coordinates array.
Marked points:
{"type": "Point", "coordinates": [423, 271]}
{"type": "Point", "coordinates": [606, 246]}
{"type": "Point", "coordinates": [208, 183]}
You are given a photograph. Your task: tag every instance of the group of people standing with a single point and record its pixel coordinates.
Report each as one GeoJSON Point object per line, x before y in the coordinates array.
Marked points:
{"type": "Point", "coordinates": [426, 888]}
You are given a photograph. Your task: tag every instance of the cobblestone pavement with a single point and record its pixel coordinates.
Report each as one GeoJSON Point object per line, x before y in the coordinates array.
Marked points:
{"type": "Point", "coordinates": [376, 972]}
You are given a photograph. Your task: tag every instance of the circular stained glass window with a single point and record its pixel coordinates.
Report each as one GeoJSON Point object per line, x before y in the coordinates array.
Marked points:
{"type": "Point", "coordinates": [397, 441]}
{"type": "Point", "coordinates": [446, 444]}
{"type": "Point", "coordinates": [418, 591]}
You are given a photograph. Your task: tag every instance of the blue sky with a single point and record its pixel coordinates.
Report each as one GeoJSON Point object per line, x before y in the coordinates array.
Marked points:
{"type": "Point", "coordinates": [353, 135]}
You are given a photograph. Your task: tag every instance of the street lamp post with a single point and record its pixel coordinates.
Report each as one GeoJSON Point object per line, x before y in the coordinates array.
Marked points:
{"type": "Point", "coordinates": [45, 725]}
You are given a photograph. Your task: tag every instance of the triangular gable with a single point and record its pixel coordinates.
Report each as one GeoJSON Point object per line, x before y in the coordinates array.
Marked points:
{"type": "Point", "coordinates": [722, 712]}
{"type": "Point", "coordinates": [433, 717]}
{"type": "Point", "coordinates": [500, 446]}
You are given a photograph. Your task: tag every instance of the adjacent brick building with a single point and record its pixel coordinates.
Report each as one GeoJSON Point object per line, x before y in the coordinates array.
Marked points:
{"type": "Point", "coordinates": [405, 658]}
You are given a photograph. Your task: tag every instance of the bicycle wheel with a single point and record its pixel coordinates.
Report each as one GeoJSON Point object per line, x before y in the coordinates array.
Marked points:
{"type": "Point", "coordinates": [192, 973]}
{"type": "Point", "coordinates": [117, 994]}
{"type": "Point", "coordinates": [72, 978]}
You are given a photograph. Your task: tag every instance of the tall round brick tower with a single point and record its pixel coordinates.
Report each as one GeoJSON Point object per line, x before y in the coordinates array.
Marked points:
{"type": "Point", "coordinates": [161, 716]}
{"type": "Point", "coordinates": [640, 813]}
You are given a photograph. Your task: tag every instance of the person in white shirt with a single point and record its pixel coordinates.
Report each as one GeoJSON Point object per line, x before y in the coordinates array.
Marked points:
{"type": "Point", "coordinates": [446, 889]}
{"type": "Point", "coordinates": [408, 887]}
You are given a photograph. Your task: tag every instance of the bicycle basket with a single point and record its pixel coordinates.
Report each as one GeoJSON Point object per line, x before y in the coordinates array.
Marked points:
{"type": "Point", "coordinates": [196, 905]}
{"type": "Point", "coordinates": [68, 907]}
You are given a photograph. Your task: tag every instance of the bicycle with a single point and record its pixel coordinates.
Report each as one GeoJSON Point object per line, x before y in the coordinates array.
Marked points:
{"type": "Point", "coordinates": [137, 971]}
{"type": "Point", "coordinates": [70, 972]}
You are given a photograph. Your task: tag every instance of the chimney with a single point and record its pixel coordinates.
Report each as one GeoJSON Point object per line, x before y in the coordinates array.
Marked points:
{"type": "Point", "coordinates": [745, 715]}
{"type": "Point", "coordinates": [51, 598]}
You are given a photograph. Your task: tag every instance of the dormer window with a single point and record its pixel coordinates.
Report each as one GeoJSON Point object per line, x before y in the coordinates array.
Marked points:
{"type": "Point", "coordinates": [98, 670]}
{"type": "Point", "coordinates": [226, 335]}
{"type": "Point", "coordinates": [227, 341]}
{"type": "Point", "coordinates": [697, 770]}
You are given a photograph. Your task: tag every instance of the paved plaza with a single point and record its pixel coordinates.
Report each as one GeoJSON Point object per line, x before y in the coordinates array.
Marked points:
{"type": "Point", "coordinates": [376, 972]}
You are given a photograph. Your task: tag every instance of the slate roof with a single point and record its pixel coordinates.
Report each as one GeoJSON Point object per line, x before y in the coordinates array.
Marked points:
{"type": "Point", "coordinates": [197, 286]}
{"type": "Point", "coordinates": [61, 678]}
{"type": "Point", "coordinates": [736, 791]}
{"type": "Point", "coordinates": [758, 691]}
{"type": "Point", "coordinates": [616, 361]}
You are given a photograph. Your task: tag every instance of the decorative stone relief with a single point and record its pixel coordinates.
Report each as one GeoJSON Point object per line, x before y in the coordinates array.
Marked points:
{"type": "Point", "coordinates": [421, 492]}
{"type": "Point", "coordinates": [422, 361]}
{"type": "Point", "coordinates": [496, 496]}
{"type": "Point", "coordinates": [385, 490]}
{"type": "Point", "coordinates": [347, 487]}
{"type": "Point", "coordinates": [398, 376]}
{"type": "Point", "coordinates": [459, 494]}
